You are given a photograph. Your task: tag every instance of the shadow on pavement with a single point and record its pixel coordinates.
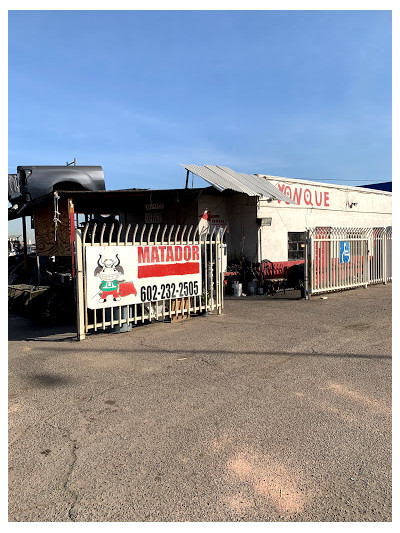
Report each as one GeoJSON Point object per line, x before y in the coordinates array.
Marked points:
{"type": "Point", "coordinates": [47, 380]}
{"type": "Point", "coordinates": [25, 329]}
{"type": "Point", "coordinates": [290, 295]}
{"type": "Point", "coordinates": [189, 353]}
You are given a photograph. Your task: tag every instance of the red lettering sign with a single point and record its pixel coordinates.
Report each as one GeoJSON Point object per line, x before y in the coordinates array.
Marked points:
{"type": "Point", "coordinates": [320, 198]}
{"type": "Point", "coordinates": [306, 197]}
{"type": "Point", "coordinates": [143, 254]}
{"type": "Point", "coordinates": [168, 254]}
{"type": "Point", "coordinates": [297, 195]}
{"type": "Point", "coordinates": [161, 261]}
{"type": "Point", "coordinates": [288, 192]}
{"type": "Point", "coordinates": [154, 255]}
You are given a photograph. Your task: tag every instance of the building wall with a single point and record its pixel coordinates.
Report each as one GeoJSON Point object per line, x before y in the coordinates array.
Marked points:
{"type": "Point", "coordinates": [239, 213]}
{"type": "Point", "coordinates": [243, 228]}
{"type": "Point", "coordinates": [318, 205]}
{"type": "Point", "coordinates": [171, 208]}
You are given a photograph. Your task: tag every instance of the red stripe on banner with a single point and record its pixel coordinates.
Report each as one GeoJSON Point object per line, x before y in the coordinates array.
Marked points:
{"type": "Point", "coordinates": [173, 269]}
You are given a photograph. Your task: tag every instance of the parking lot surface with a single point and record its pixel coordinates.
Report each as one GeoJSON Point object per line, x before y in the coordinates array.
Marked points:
{"type": "Point", "coordinates": [277, 410]}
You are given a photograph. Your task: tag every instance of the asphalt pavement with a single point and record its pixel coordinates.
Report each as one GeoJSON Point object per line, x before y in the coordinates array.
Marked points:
{"type": "Point", "coordinates": [277, 410]}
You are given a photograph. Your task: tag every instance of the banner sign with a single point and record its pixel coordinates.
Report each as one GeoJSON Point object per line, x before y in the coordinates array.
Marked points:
{"type": "Point", "coordinates": [124, 275]}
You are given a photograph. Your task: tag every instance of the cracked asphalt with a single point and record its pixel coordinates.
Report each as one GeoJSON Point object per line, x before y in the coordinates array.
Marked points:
{"type": "Point", "coordinates": [277, 410]}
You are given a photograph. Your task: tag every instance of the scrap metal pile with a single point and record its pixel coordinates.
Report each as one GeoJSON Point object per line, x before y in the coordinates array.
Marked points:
{"type": "Point", "coordinates": [42, 287]}
{"type": "Point", "coordinates": [51, 299]}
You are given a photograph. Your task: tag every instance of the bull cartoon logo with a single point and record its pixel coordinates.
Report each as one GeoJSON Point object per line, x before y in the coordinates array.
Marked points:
{"type": "Point", "coordinates": [109, 270]}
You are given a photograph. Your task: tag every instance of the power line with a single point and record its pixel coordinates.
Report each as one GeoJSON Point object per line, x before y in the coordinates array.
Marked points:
{"type": "Point", "coordinates": [334, 180]}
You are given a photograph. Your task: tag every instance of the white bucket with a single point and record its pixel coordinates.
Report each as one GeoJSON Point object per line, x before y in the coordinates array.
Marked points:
{"type": "Point", "coordinates": [237, 288]}
{"type": "Point", "coordinates": [252, 287]}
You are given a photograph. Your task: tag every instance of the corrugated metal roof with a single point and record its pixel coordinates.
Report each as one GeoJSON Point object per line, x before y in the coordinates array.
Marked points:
{"type": "Point", "coordinates": [225, 178]}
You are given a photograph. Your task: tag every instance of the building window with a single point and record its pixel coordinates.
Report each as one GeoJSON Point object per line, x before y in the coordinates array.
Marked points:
{"type": "Point", "coordinates": [296, 245]}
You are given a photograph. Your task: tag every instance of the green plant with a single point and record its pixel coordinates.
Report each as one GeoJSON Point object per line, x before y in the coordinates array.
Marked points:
{"type": "Point", "coordinates": [250, 271]}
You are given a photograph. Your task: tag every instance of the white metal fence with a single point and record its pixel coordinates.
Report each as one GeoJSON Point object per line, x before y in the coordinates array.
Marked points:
{"type": "Point", "coordinates": [210, 297]}
{"type": "Point", "coordinates": [380, 246]}
{"type": "Point", "coordinates": [343, 258]}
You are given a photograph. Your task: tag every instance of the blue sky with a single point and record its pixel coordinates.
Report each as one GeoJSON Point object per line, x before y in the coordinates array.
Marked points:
{"type": "Point", "coordinates": [302, 94]}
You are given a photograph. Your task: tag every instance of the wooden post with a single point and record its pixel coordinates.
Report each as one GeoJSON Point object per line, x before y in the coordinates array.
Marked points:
{"type": "Point", "coordinates": [79, 287]}
{"type": "Point", "coordinates": [77, 272]}
{"type": "Point", "coordinates": [71, 213]}
{"type": "Point", "coordinates": [25, 244]}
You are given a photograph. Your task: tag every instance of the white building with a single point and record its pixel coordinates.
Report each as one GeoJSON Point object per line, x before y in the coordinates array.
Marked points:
{"type": "Point", "coordinates": [262, 225]}
{"type": "Point", "coordinates": [318, 204]}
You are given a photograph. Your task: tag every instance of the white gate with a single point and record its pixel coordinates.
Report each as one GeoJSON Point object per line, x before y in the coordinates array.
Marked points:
{"type": "Point", "coordinates": [344, 258]}
{"type": "Point", "coordinates": [193, 286]}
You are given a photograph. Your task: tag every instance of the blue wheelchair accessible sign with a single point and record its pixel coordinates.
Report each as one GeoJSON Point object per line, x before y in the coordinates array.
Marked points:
{"type": "Point", "coordinates": [344, 251]}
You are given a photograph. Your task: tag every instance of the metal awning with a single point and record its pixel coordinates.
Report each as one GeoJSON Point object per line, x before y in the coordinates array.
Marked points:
{"type": "Point", "coordinates": [223, 178]}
